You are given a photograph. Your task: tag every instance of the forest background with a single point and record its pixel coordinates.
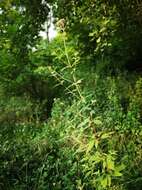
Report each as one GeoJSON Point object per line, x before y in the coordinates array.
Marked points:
{"type": "Point", "coordinates": [71, 108]}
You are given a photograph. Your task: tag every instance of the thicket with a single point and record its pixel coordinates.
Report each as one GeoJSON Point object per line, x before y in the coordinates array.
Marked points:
{"type": "Point", "coordinates": [70, 108]}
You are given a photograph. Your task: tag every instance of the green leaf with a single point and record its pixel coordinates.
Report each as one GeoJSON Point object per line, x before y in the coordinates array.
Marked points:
{"type": "Point", "coordinates": [106, 135]}
{"type": "Point", "coordinates": [85, 122]}
{"type": "Point", "coordinates": [97, 122]}
{"type": "Point", "coordinates": [90, 146]}
{"type": "Point", "coordinates": [104, 182]}
{"type": "Point", "coordinates": [117, 173]}
{"type": "Point", "coordinates": [118, 169]}
{"type": "Point", "coordinates": [98, 40]}
{"type": "Point", "coordinates": [110, 163]}
{"type": "Point", "coordinates": [96, 143]}
{"type": "Point", "coordinates": [109, 180]}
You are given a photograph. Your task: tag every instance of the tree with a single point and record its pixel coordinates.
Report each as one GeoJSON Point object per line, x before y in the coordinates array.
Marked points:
{"type": "Point", "coordinates": [20, 23]}
{"type": "Point", "coordinates": [105, 28]}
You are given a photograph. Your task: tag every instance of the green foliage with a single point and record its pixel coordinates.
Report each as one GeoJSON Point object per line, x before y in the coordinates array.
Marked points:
{"type": "Point", "coordinates": [65, 124]}
{"type": "Point", "coordinates": [105, 28]}
{"type": "Point", "coordinates": [80, 147]}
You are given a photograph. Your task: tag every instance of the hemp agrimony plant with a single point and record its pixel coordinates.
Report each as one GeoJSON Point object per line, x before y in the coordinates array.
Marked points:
{"type": "Point", "coordinates": [69, 58]}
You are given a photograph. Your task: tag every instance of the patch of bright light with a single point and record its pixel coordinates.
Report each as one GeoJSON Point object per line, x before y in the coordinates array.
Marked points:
{"type": "Point", "coordinates": [43, 34]}
{"type": "Point", "coordinates": [52, 32]}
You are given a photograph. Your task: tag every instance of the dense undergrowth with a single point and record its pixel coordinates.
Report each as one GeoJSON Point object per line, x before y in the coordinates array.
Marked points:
{"type": "Point", "coordinates": [70, 108]}
{"type": "Point", "coordinates": [89, 142]}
